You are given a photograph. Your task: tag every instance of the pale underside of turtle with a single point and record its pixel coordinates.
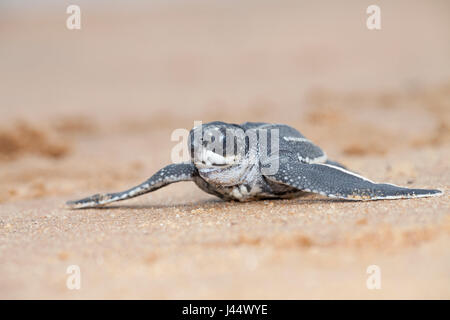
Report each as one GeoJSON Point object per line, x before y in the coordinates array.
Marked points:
{"type": "Point", "coordinates": [301, 168]}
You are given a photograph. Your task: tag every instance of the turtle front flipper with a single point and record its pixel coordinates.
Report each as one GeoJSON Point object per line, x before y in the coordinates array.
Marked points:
{"type": "Point", "coordinates": [336, 182]}
{"type": "Point", "coordinates": [169, 174]}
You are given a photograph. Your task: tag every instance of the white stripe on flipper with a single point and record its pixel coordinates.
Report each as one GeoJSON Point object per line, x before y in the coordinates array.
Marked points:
{"type": "Point", "coordinates": [296, 139]}
{"type": "Point", "coordinates": [317, 160]}
{"type": "Point", "coordinates": [346, 171]}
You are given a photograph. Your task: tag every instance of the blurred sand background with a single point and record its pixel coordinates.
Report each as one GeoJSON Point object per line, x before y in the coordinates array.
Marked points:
{"type": "Point", "coordinates": [92, 111]}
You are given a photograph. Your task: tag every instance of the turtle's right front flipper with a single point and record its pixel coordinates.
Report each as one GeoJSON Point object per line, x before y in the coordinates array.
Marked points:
{"type": "Point", "coordinates": [169, 174]}
{"type": "Point", "coordinates": [336, 182]}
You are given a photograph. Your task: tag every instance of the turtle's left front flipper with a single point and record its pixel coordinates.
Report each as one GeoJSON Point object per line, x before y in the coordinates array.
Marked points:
{"type": "Point", "coordinates": [336, 182]}
{"type": "Point", "coordinates": [167, 175]}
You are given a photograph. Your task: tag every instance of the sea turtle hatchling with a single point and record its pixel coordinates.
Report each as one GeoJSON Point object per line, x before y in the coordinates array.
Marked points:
{"type": "Point", "coordinates": [236, 162]}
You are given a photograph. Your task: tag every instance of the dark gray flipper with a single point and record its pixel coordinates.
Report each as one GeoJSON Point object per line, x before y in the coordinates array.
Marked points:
{"type": "Point", "coordinates": [336, 182]}
{"type": "Point", "coordinates": [169, 174]}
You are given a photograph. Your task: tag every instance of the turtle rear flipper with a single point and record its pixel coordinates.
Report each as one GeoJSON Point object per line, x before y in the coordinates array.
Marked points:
{"type": "Point", "coordinates": [336, 182]}
{"type": "Point", "coordinates": [169, 174]}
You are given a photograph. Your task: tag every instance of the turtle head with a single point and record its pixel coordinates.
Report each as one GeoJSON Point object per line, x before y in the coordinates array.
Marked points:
{"type": "Point", "coordinates": [218, 150]}
{"type": "Point", "coordinates": [216, 144]}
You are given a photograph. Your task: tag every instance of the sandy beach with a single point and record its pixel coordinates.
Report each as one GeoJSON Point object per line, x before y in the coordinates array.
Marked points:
{"type": "Point", "coordinates": [92, 110]}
